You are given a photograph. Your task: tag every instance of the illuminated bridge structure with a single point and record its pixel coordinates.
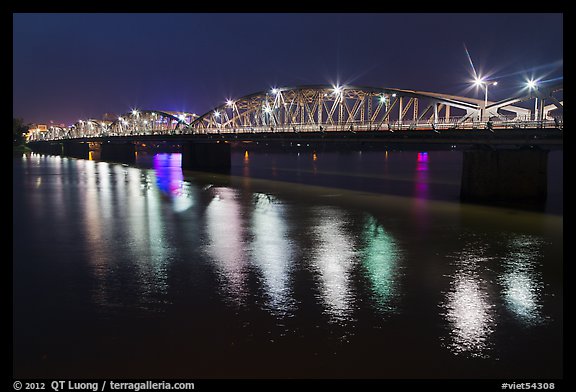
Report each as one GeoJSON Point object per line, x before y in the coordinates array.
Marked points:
{"type": "Point", "coordinates": [505, 145]}
{"type": "Point", "coordinates": [323, 108]}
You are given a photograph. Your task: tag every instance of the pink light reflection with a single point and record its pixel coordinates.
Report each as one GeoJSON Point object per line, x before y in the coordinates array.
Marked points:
{"type": "Point", "coordinates": [421, 177]}
{"type": "Point", "coordinates": [421, 191]}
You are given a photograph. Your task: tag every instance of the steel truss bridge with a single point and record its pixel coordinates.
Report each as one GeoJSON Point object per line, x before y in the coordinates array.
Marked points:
{"type": "Point", "coordinates": [322, 108]}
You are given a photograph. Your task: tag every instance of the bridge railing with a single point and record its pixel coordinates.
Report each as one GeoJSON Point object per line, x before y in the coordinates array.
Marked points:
{"type": "Point", "coordinates": [452, 123]}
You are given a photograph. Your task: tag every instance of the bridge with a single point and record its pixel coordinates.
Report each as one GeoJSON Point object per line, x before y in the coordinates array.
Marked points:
{"type": "Point", "coordinates": [323, 108]}
{"type": "Point", "coordinates": [344, 114]}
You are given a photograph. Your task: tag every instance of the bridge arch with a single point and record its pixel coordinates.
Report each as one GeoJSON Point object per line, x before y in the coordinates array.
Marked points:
{"type": "Point", "coordinates": [541, 95]}
{"type": "Point", "coordinates": [142, 122]}
{"type": "Point", "coordinates": [328, 108]}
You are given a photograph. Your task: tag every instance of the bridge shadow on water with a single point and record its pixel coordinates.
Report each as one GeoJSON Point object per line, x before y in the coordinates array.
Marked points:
{"type": "Point", "coordinates": [509, 178]}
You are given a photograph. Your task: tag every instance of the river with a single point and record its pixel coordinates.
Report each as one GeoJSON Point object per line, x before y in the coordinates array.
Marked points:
{"type": "Point", "coordinates": [297, 265]}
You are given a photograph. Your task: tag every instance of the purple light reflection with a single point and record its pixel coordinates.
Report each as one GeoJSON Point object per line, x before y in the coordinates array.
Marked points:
{"type": "Point", "coordinates": [169, 175]}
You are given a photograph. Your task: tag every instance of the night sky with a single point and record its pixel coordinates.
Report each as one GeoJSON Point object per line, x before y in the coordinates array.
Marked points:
{"type": "Point", "coordinates": [68, 67]}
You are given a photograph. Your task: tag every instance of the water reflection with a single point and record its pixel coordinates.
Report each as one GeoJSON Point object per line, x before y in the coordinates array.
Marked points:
{"type": "Point", "coordinates": [421, 191]}
{"type": "Point", "coordinates": [107, 244]}
{"type": "Point", "coordinates": [467, 305]}
{"type": "Point", "coordinates": [333, 258]}
{"type": "Point", "coordinates": [122, 211]}
{"type": "Point", "coordinates": [471, 302]}
{"type": "Point", "coordinates": [227, 241]}
{"type": "Point", "coordinates": [169, 173]}
{"type": "Point", "coordinates": [273, 252]}
{"type": "Point", "coordinates": [421, 186]}
{"type": "Point", "coordinates": [380, 257]}
{"type": "Point", "coordinates": [93, 220]}
{"type": "Point", "coordinates": [521, 280]}
{"type": "Point", "coordinates": [170, 181]}
{"type": "Point", "coordinates": [150, 244]}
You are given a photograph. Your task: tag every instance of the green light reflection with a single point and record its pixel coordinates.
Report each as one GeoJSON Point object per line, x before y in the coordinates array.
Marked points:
{"type": "Point", "coordinates": [380, 257]}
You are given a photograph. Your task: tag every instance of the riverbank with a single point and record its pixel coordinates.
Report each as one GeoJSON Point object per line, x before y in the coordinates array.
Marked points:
{"type": "Point", "coordinates": [21, 148]}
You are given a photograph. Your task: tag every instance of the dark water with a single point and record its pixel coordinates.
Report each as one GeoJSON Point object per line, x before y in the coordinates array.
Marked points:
{"type": "Point", "coordinates": [374, 270]}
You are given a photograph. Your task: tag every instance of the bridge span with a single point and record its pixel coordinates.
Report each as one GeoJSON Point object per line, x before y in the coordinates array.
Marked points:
{"type": "Point", "coordinates": [508, 144]}
{"type": "Point", "coordinates": [322, 108]}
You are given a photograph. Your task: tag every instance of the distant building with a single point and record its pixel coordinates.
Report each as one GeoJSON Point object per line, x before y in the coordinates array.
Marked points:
{"type": "Point", "coordinates": [38, 128]}
{"type": "Point", "coordinates": [35, 130]}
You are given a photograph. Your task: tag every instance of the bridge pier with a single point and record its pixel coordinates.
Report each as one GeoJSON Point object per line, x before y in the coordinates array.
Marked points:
{"type": "Point", "coordinates": [118, 152]}
{"type": "Point", "coordinates": [47, 148]}
{"type": "Point", "coordinates": [510, 177]}
{"type": "Point", "coordinates": [212, 157]}
{"type": "Point", "coordinates": [76, 150]}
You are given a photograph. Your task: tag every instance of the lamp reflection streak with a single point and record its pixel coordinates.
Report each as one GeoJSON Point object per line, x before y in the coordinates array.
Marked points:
{"type": "Point", "coordinates": [467, 306]}
{"type": "Point", "coordinates": [422, 191]}
{"type": "Point", "coordinates": [380, 258]}
{"type": "Point", "coordinates": [170, 181]}
{"type": "Point", "coordinates": [152, 248]}
{"type": "Point", "coordinates": [142, 235]}
{"type": "Point", "coordinates": [333, 258]}
{"type": "Point", "coordinates": [521, 282]}
{"type": "Point", "coordinates": [95, 233]}
{"type": "Point", "coordinates": [421, 176]}
{"type": "Point", "coordinates": [227, 239]}
{"type": "Point", "coordinates": [272, 252]}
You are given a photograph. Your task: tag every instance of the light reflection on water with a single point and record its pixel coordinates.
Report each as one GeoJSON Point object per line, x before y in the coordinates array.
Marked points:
{"type": "Point", "coordinates": [468, 306]}
{"type": "Point", "coordinates": [421, 181]}
{"type": "Point", "coordinates": [333, 257]}
{"type": "Point", "coordinates": [272, 252]}
{"type": "Point", "coordinates": [380, 258]}
{"type": "Point", "coordinates": [141, 227]}
{"type": "Point", "coordinates": [471, 305]}
{"type": "Point", "coordinates": [136, 227]}
{"type": "Point", "coordinates": [170, 180]}
{"type": "Point", "coordinates": [521, 280]}
{"type": "Point", "coordinates": [227, 241]}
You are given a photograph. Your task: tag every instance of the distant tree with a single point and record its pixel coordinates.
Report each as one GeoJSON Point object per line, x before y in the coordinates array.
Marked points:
{"type": "Point", "coordinates": [18, 128]}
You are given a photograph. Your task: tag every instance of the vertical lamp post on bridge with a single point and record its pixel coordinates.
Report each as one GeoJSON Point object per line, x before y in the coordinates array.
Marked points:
{"type": "Point", "coordinates": [482, 82]}
{"type": "Point", "coordinates": [533, 85]}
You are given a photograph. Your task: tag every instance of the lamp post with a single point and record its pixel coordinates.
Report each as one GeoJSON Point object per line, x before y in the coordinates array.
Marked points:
{"type": "Point", "coordinates": [482, 82]}
{"type": "Point", "coordinates": [533, 85]}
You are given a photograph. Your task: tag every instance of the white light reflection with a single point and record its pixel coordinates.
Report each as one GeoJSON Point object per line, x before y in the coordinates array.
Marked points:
{"type": "Point", "coordinates": [227, 239]}
{"type": "Point", "coordinates": [124, 216]}
{"type": "Point", "coordinates": [61, 176]}
{"type": "Point", "coordinates": [95, 233]}
{"type": "Point", "coordinates": [272, 252]}
{"type": "Point", "coordinates": [153, 248]}
{"type": "Point", "coordinates": [467, 306]}
{"type": "Point", "coordinates": [333, 258]}
{"type": "Point", "coordinates": [521, 281]}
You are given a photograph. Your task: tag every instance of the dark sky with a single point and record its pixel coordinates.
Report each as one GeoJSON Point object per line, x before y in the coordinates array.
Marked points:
{"type": "Point", "coordinates": [73, 66]}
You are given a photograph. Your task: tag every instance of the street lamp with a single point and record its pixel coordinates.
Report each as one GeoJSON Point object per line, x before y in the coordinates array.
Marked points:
{"type": "Point", "coordinates": [482, 82]}
{"type": "Point", "coordinates": [533, 85]}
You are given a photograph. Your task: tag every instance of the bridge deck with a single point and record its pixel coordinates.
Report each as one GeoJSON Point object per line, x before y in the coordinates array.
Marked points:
{"type": "Point", "coordinates": [550, 137]}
